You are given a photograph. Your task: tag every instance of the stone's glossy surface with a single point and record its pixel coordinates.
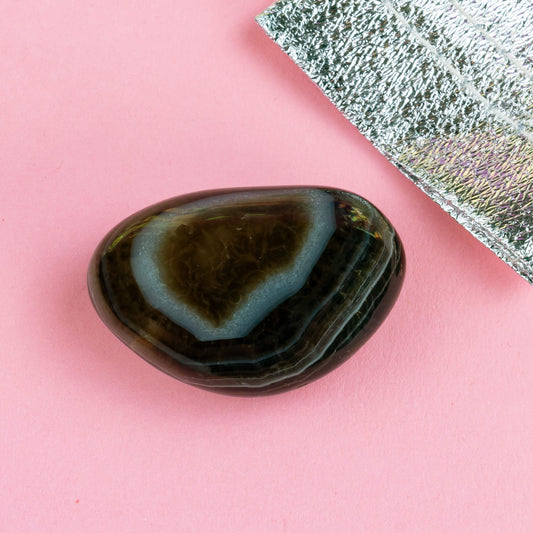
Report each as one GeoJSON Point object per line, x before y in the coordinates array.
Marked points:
{"type": "Point", "coordinates": [250, 291]}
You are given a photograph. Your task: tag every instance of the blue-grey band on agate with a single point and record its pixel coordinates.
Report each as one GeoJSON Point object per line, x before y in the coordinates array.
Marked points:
{"type": "Point", "coordinates": [443, 88]}
{"type": "Point", "coordinates": [259, 302]}
{"type": "Point", "coordinates": [316, 270]}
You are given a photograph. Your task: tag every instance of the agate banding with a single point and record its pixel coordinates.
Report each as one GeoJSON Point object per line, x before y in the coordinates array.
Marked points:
{"type": "Point", "coordinates": [249, 291]}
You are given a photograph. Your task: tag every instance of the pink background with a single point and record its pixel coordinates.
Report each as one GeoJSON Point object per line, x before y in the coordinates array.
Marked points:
{"type": "Point", "coordinates": [109, 106]}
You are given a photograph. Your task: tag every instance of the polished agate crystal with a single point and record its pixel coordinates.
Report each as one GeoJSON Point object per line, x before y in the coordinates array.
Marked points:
{"type": "Point", "coordinates": [248, 291]}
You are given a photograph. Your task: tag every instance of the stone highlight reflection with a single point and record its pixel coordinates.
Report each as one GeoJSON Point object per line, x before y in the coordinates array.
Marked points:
{"type": "Point", "coordinates": [248, 291]}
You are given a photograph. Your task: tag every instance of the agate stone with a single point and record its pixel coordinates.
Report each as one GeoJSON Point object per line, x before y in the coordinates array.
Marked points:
{"type": "Point", "coordinates": [248, 291]}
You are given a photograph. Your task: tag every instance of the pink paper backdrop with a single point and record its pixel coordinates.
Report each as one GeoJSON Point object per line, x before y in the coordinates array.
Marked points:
{"type": "Point", "coordinates": [109, 106]}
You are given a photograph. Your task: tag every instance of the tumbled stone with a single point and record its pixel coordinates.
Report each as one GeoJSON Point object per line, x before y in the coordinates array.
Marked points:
{"type": "Point", "coordinates": [248, 291]}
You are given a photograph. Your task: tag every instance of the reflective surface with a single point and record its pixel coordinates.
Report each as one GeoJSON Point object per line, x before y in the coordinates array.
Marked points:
{"type": "Point", "coordinates": [250, 291]}
{"type": "Point", "coordinates": [443, 88]}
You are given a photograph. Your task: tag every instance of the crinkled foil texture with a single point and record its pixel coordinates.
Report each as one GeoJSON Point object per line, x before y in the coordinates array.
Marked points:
{"type": "Point", "coordinates": [443, 88]}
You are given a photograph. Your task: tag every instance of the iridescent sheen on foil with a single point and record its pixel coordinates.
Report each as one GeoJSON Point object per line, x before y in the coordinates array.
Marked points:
{"type": "Point", "coordinates": [443, 88]}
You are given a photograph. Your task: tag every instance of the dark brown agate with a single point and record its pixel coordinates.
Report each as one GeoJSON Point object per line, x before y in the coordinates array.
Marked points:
{"type": "Point", "coordinates": [248, 291]}
{"type": "Point", "coordinates": [214, 261]}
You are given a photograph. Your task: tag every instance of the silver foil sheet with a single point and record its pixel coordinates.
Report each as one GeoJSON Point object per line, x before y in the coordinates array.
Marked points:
{"type": "Point", "coordinates": [443, 88]}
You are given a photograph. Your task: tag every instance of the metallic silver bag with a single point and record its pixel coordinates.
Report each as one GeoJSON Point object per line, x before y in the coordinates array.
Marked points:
{"type": "Point", "coordinates": [443, 88]}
